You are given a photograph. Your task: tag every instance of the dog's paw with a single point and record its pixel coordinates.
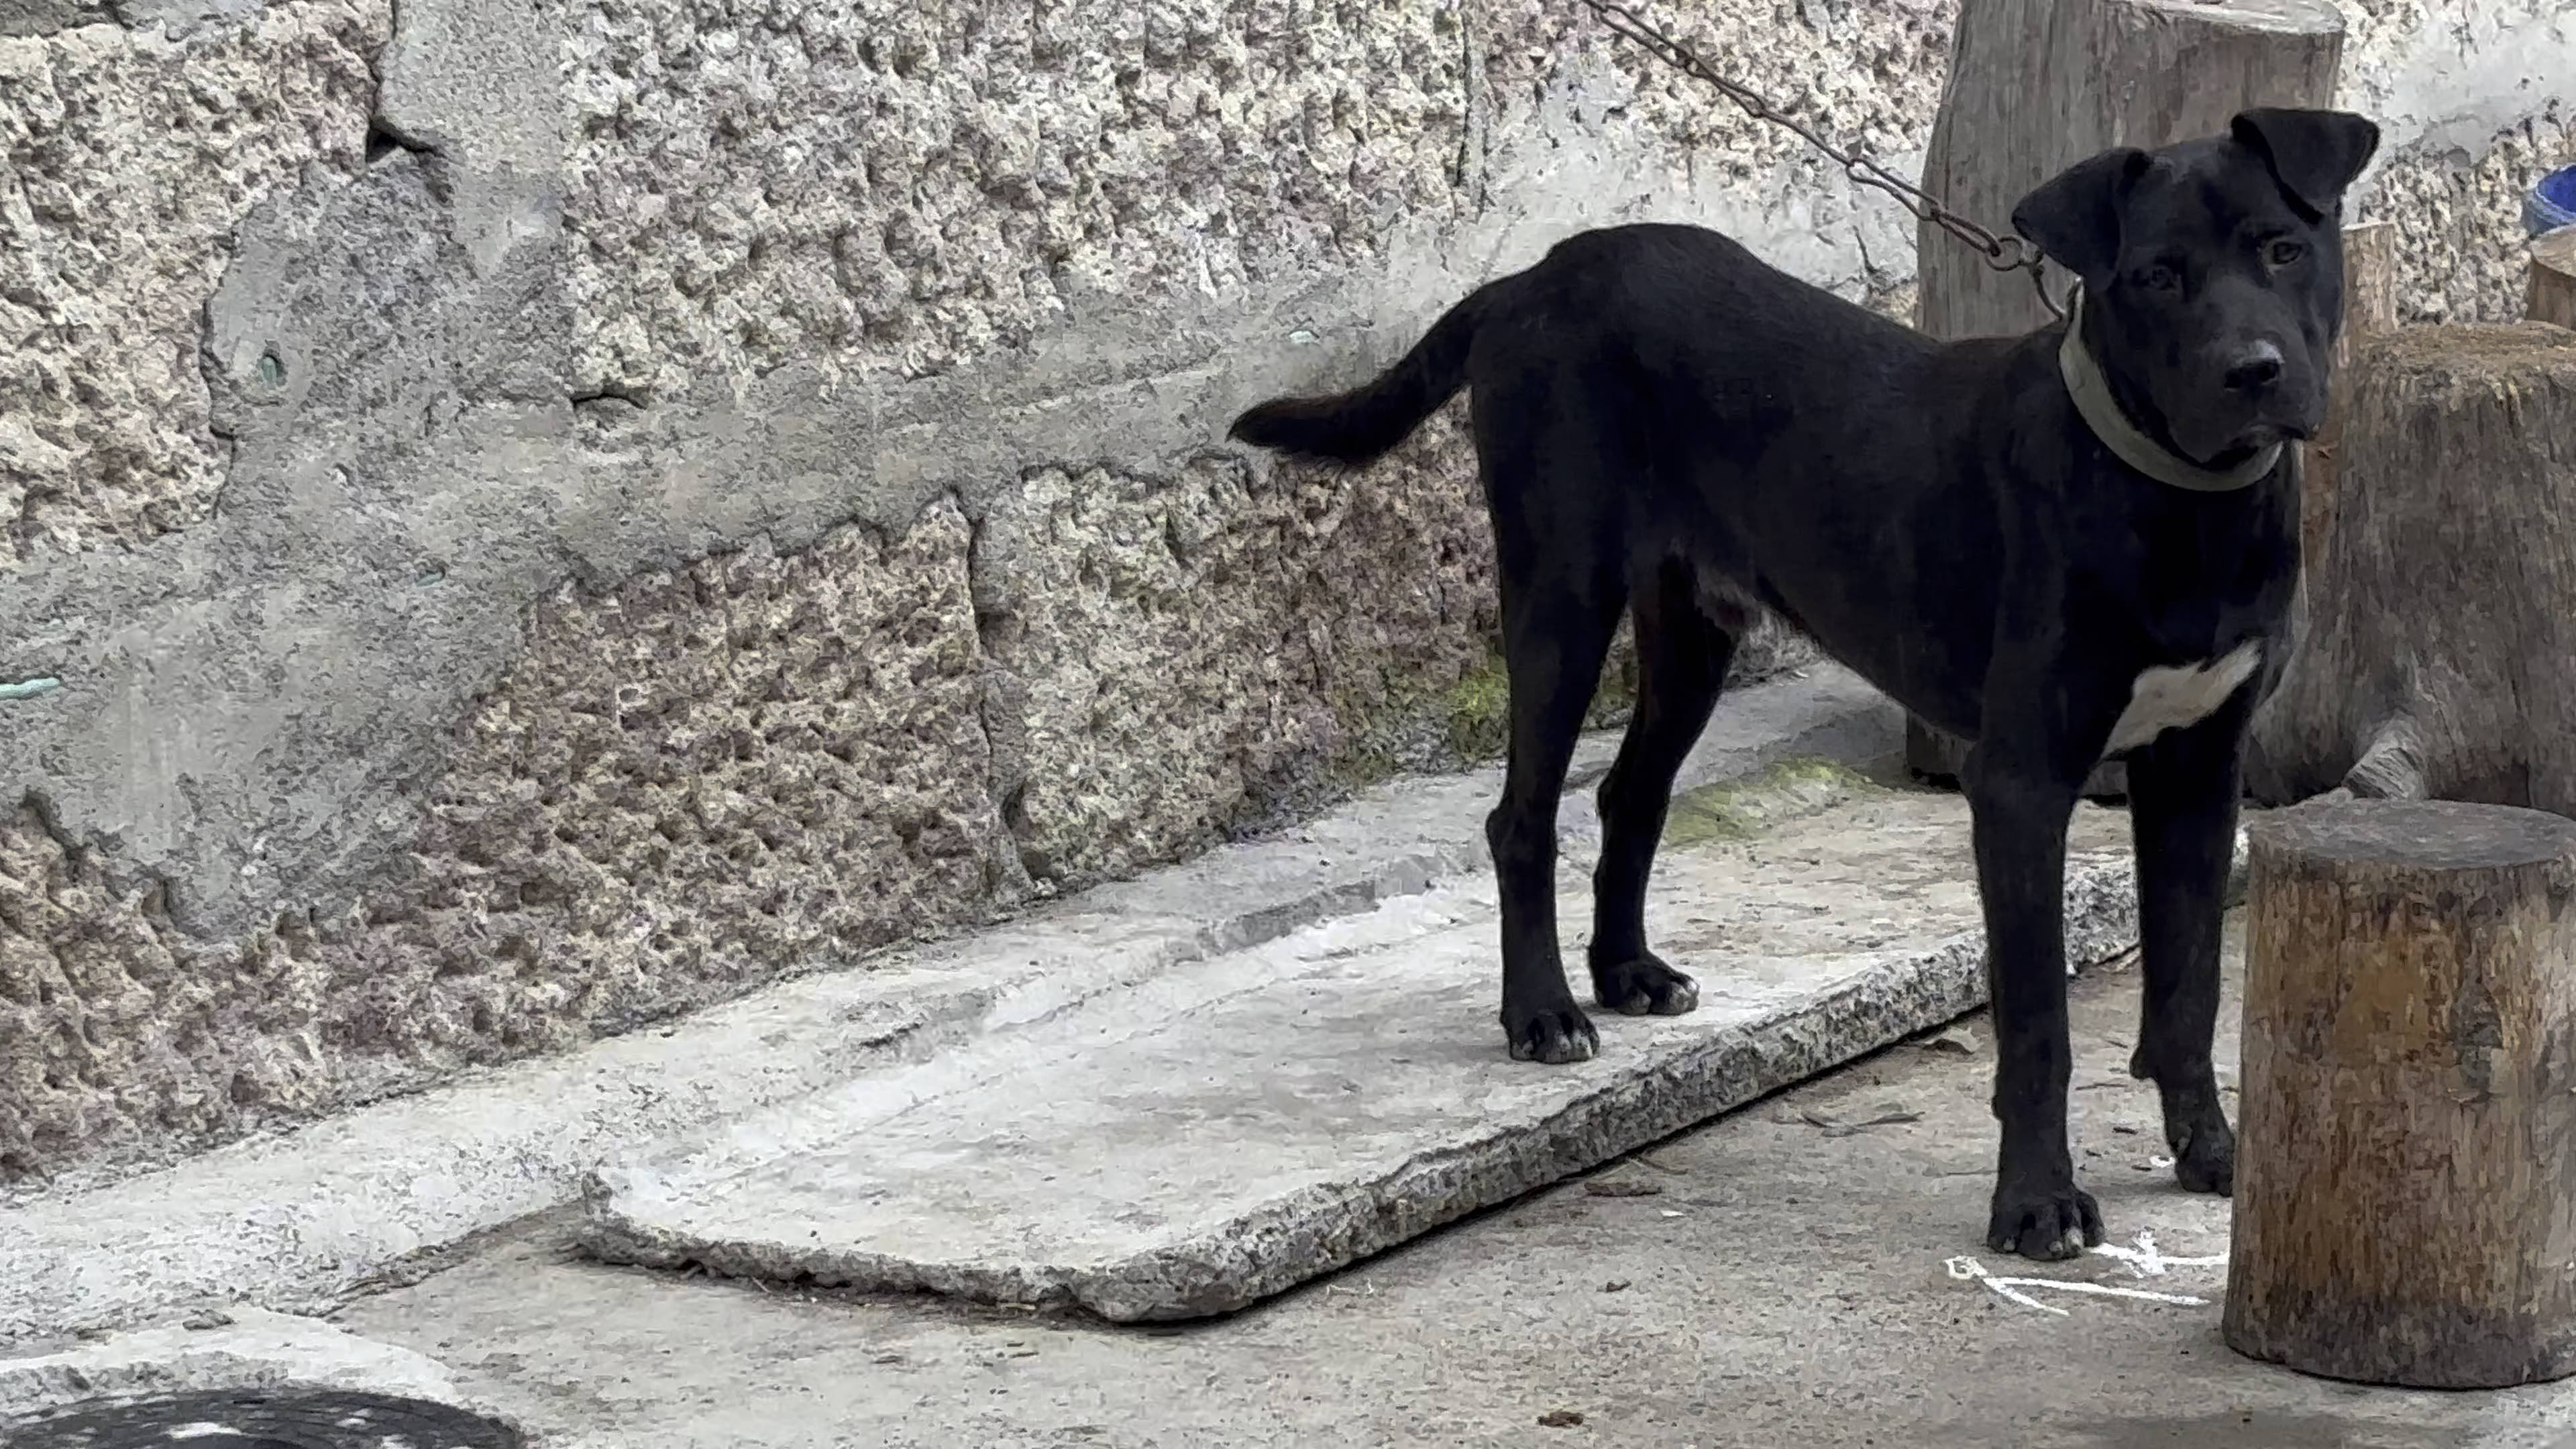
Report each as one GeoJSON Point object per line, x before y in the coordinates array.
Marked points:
{"type": "Point", "coordinates": [1554, 1035]}
{"type": "Point", "coordinates": [2045, 1223]}
{"type": "Point", "coordinates": [1642, 987]}
{"type": "Point", "coordinates": [2206, 1160]}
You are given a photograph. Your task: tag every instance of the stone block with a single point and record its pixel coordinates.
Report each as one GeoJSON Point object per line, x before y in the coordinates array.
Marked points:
{"type": "Point", "coordinates": [1177, 649]}
{"type": "Point", "coordinates": [133, 158]}
{"type": "Point", "coordinates": [902, 188]}
{"type": "Point", "coordinates": [698, 783]}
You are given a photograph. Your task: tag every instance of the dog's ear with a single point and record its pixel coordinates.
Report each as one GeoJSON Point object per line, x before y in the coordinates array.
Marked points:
{"type": "Point", "coordinates": [2313, 154]}
{"type": "Point", "coordinates": [2074, 216]}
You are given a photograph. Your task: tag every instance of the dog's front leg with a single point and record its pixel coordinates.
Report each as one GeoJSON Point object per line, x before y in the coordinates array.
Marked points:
{"type": "Point", "coordinates": [2183, 790]}
{"type": "Point", "coordinates": [2022, 786]}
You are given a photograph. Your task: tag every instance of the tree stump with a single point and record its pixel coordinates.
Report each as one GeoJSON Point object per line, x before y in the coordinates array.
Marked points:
{"type": "Point", "coordinates": [2553, 278]}
{"type": "Point", "coordinates": [2038, 85]}
{"type": "Point", "coordinates": [2433, 658]}
{"type": "Point", "coordinates": [2369, 309]}
{"type": "Point", "coordinates": [2405, 1198]}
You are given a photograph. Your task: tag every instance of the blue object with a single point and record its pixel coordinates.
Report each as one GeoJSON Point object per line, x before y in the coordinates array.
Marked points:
{"type": "Point", "coordinates": [2552, 203]}
{"type": "Point", "coordinates": [29, 688]}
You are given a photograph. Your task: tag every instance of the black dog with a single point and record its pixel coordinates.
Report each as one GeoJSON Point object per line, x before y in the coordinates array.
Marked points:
{"type": "Point", "coordinates": [2065, 549]}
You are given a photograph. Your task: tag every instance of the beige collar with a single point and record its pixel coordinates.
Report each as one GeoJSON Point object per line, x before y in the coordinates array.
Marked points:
{"type": "Point", "coordinates": [2092, 395]}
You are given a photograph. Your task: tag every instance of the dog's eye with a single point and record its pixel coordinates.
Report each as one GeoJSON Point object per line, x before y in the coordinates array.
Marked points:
{"type": "Point", "coordinates": [2283, 252]}
{"type": "Point", "coordinates": [2159, 277]}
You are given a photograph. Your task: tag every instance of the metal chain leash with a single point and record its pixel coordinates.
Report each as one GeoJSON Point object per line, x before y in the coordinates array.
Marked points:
{"type": "Point", "coordinates": [2002, 253]}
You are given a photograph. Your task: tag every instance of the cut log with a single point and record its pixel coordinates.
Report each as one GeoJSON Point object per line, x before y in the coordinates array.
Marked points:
{"type": "Point", "coordinates": [2369, 309]}
{"type": "Point", "coordinates": [2553, 277]}
{"type": "Point", "coordinates": [2433, 656]}
{"type": "Point", "coordinates": [2038, 85]}
{"type": "Point", "coordinates": [2405, 1205]}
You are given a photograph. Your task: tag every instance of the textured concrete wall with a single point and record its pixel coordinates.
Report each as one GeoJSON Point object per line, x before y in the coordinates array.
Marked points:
{"type": "Point", "coordinates": [549, 515]}
{"type": "Point", "coordinates": [2478, 99]}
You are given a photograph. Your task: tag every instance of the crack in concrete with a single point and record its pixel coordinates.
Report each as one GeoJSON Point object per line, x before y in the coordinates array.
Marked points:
{"type": "Point", "coordinates": [384, 137]}
{"type": "Point", "coordinates": [1010, 875]}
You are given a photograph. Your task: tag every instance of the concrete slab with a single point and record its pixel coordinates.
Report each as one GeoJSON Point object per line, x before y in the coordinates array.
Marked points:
{"type": "Point", "coordinates": [1189, 1145]}
{"type": "Point", "coordinates": [300, 1220]}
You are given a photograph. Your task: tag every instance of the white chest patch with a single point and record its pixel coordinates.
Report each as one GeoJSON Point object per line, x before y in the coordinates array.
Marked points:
{"type": "Point", "coordinates": [2168, 699]}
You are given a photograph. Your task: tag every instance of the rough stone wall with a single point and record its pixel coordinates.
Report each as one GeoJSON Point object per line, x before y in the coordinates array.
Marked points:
{"type": "Point", "coordinates": [132, 159]}
{"type": "Point", "coordinates": [1869, 73]}
{"type": "Point", "coordinates": [1177, 649]}
{"type": "Point", "coordinates": [551, 514]}
{"type": "Point", "coordinates": [904, 187]}
{"type": "Point", "coordinates": [708, 776]}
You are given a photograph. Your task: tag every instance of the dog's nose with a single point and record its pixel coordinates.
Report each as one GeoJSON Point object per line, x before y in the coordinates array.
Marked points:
{"type": "Point", "coordinates": [2256, 369]}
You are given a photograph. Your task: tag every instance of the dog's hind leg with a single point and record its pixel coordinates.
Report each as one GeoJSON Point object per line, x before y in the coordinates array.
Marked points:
{"type": "Point", "coordinates": [1682, 658]}
{"type": "Point", "coordinates": [2183, 791]}
{"type": "Point", "coordinates": [1562, 592]}
{"type": "Point", "coordinates": [1553, 643]}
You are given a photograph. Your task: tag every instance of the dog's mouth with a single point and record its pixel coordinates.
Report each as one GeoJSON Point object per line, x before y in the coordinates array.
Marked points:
{"type": "Point", "coordinates": [2270, 431]}
{"type": "Point", "coordinates": [2253, 439]}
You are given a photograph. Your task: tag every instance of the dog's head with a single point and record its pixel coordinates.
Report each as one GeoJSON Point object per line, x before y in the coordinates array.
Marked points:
{"type": "Point", "coordinates": [2213, 273]}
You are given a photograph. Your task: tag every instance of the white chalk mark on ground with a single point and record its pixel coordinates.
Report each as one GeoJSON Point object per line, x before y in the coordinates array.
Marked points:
{"type": "Point", "coordinates": [2143, 1260]}
{"type": "Point", "coordinates": [2141, 1257]}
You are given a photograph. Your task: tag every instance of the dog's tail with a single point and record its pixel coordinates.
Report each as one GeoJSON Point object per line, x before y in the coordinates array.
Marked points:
{"type": "Point", "coordinates": [1360, 425]}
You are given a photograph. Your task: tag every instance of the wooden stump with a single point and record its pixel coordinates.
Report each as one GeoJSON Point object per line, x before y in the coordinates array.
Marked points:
{"type": "Point", "coordinates": [2433, 656]}
{"type": "Point", "coordinates": [2406, 1171]}
{"type": "Point", "coordinates": [2369, 310]}
{"type": "Point", "coordinates": [2553, 277]}
{"type": "Point", "coordinates": [2038, 85]}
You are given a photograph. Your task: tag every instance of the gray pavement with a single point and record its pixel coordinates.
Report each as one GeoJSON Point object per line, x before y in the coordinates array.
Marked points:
{"type": "Point", "coordinates": [1776, 1280]}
